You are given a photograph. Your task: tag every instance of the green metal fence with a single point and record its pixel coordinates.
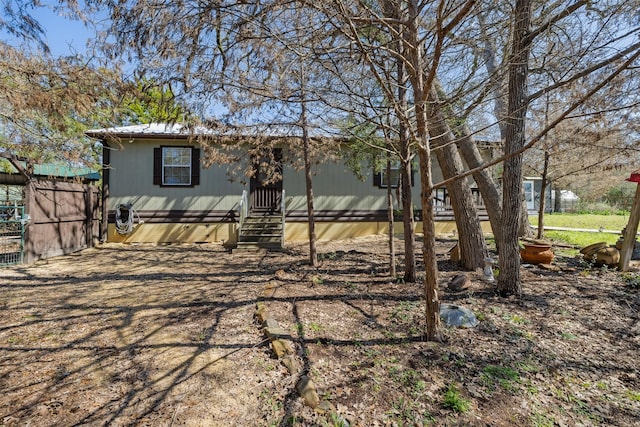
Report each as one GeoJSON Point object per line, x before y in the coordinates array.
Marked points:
{"type": "Point", "coordinates": [12, 223]}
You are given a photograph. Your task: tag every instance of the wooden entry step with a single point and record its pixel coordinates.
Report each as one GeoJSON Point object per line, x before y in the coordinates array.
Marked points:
{"type": "Point", "coordinates": [260, 232]}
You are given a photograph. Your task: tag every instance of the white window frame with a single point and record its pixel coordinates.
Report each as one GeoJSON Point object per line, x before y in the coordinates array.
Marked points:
{"type": "Point", "coordinates": [395, 166]}
{"type": "Point", "coordinates": [529, 196]}
{"type": "Point", "coordinates": [166, 165]}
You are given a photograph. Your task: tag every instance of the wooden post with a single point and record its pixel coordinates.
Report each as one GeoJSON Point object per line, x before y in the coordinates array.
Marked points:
{"type": "Point", "coordinates": [632, 227]}
{"type": "Point", "coordinates": [88, 211]}
{"type": "Point", "coordinates": [106, 175]}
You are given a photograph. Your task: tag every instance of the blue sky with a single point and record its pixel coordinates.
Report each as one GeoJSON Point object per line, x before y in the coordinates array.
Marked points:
{"type": "Point", "coordinates": [63, 35]}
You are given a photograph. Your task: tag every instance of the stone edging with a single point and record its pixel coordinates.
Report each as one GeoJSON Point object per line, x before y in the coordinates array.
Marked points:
{"type": "Point", "coordinates": [284, 348]}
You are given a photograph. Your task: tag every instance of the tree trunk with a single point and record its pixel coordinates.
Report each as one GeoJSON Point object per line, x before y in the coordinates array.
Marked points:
{"type": "Point", "coordinates": [557, 203]}
{"type": "Point", "coordinates": [407, 214]}
{"type": "Point", "coordinates": [509, 260]}
{"type": "Point", "coordinates": [432, 301]}
{"type": "Point", "coordinates": [392, 246]}
{"type": "Point", "coordinates": [414, 53]}
{"type": "Point", "coordinates": [524, 229]}
{"type": "Point", "coordinates": [543, 195]}
{"type": "Point", "coordinates": [473, 248]}
{"type": "Point", "coordinates": [313, 253]}
{"type": "Point", "coordinates": [394, 10]}
{"type": "Point", "coordinates": [405, 182]}
{"type": "Point", "coordinates": [487, 186]}
{"type": "Point", "coordinates": [496, 86]}
{"type": "Point", "coordinates": [471, 155]}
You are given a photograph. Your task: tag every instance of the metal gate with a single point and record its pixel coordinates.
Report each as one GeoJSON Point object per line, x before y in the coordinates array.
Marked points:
{"type": "Point", "coordinates": [12, 223]}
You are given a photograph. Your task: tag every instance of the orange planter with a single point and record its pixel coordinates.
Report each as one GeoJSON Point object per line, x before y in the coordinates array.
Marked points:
{"type": "Point", "coordinates": [535, 253]}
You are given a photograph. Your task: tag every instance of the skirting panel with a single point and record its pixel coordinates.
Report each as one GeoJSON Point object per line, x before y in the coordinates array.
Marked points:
{"type": "Point", "coordinates": [225, 233]}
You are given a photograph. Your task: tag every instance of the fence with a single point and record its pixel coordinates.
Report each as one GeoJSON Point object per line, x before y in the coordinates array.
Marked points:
{"type": "Point", "coordinates": [64, 218]}
{"type": "Point", "coordinates": [12, 226]}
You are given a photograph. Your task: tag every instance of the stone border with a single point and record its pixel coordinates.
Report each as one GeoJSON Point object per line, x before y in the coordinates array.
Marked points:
{"type": "Point", "coordinates": [283, 347]}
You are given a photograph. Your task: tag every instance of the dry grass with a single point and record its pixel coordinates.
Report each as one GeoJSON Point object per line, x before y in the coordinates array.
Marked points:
{"type": "Point", "coordinates": [126, 335]}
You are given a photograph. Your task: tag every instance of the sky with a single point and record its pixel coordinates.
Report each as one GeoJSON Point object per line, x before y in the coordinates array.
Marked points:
{"type": "Point", "coordinates": [63, 35]}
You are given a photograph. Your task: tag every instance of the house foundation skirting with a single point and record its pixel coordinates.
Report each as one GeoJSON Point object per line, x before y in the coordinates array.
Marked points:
{"type": "Point", "coordinates": [219, 229]}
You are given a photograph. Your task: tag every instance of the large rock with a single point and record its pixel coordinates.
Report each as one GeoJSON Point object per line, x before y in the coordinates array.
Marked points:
{"type": "Point", "coordinates": [459, 282]}
{"type": "Point", "coordinates": [601, 254]}
{"type": "Point", "coordinates": [307, 390]}
{"type": "Point", "coordinates": [590, 251]}
{"type": "Point", "coordinates": [456, 315]}
{"type": "Point", "coordinates": [608, 256]}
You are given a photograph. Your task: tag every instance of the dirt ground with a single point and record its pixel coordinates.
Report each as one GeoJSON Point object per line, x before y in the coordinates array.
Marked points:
{"type": "Point", "coordinates": [167, 336]}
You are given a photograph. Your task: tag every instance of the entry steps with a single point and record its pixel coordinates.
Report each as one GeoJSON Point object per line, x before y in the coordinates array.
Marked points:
{"type": "Point", "coordinates": [260, 232]}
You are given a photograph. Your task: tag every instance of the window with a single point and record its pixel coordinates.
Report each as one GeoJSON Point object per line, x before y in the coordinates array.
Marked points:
{"type": "Point", "coordinates": [176, 166]}
{"type": "Point", "coordinates": [381, 180]}
{"type": "Point", "coordinates": [529, 194]}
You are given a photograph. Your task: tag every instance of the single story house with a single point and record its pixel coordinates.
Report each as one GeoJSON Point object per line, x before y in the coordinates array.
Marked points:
{"type": "Point", "coordinates": [156, 190]}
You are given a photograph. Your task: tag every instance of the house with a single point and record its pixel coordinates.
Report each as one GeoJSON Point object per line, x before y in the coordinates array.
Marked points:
{"type": "Point", "coordinates": [555, 201]}
{"type": "Point", "coordinates": [155, 189]}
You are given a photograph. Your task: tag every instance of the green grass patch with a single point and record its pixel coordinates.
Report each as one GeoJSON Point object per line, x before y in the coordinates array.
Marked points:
{"type": "Point", "coordinates": [586, 221]}
{"type": "Point", "coordinates": [580, 239]}
{"type": "Point", "coordinates": [504, 376]}
{"type": "Point", "coordinates": [453, 400]}
{"type": "Point", "coordinates": [633, 395]}
{"type": "Point", "coordinates": [590, 221]}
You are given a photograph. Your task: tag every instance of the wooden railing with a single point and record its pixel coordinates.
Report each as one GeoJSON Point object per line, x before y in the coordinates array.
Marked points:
{"type": "Point", "coordinates": [283, 213]}
{"type": "Point", "coordinates": [443, 207]}
{"type": "Point", "coordinates": [243, 207]}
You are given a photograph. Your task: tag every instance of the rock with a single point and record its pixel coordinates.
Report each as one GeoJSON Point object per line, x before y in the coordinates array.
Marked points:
{"type": "Point", "coordinates": [591, 250]}
{"type": "Point", "coordinates": [459, 282]}
{"type": "Point", "coordinates": [275, 333]}
{"type": "Point", "coordinates": [454, 254]}
{"type": "Point", "coordinates": [455, 315]}
{"type": "Point", "coordinates": [325, 407]}
{"type": "Point", "coordinates": [281, 348]}
{"type": "Point", "coordinates": [270, 323]}
{"type": "Point", "coordinates": [549, 267]}
{"type": "Point", "coordinates": [261, 312]}
{"type": "Point", "coordinates": [607, 256]}
{"type": "Point", "coordinates": [292, 365]}
{"type": "Point", "coordinates": [307, 390]}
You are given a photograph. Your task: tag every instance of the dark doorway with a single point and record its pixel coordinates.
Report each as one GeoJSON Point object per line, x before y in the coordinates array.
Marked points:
{"type": "Point", "coordinates": [266, 183]}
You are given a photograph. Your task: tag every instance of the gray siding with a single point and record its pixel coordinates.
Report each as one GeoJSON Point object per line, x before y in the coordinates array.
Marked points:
{"type": "Point", "coordinates": [131, 181]}
{"type": "Point", "coordinates": [335, 187]}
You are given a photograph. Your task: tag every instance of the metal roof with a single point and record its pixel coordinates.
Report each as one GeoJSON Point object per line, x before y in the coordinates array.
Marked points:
{"type": "Point", "coordinates": [152, 129]}
{"type": "Point", "coordinates": [180, 130]}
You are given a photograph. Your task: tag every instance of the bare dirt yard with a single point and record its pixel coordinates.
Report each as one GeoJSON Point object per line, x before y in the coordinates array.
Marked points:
{"type": "Point", "coordinates": [167, 336]}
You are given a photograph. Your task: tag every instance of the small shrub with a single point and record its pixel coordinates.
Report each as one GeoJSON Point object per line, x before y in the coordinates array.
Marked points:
{"type": "Point", "coordinates": [631, 280]}
{"type": "Point", "coordinates": [633, 395]}
{"type": "Point", "coordinates": [454, 401]}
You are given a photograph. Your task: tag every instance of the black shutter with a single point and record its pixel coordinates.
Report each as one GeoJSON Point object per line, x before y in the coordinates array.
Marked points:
{"type": "Point", "coordinates": [377, 179]}
{"type": "Point", "coordinates": [195, 166]}
{"type": "Point", "coordinates": [157, 166]}
{"type": "Point", "coordinates": [413, 175]}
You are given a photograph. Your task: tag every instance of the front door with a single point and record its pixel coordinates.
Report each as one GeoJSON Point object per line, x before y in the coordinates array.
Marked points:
{"type": "Point", "coordinates": [265, 186]}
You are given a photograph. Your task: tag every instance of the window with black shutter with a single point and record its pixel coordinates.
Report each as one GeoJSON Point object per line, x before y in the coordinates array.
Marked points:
{"type": "Point", "coordinates": [176, 166]}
